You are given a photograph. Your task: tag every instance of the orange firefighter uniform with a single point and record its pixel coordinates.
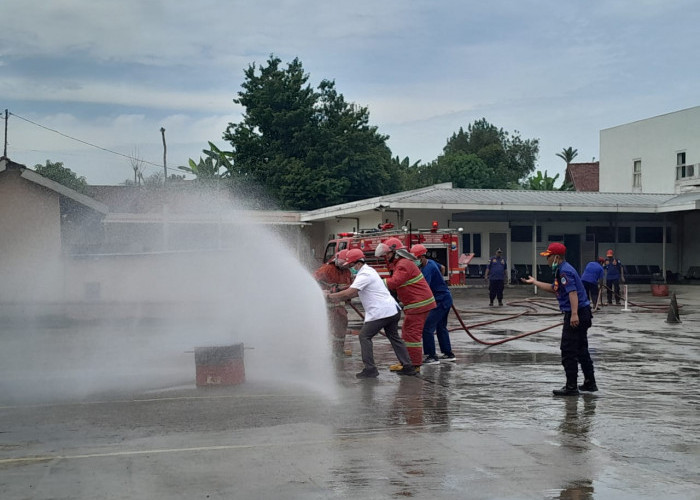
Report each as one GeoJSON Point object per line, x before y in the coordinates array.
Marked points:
{"type": "Point", "coordinates": [333, 278]}
{"type": "Point", "coordinates": [417, 299]}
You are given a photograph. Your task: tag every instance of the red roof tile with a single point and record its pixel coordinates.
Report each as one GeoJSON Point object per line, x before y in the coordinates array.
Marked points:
{"type": "Point", "coordinates": [584, 176]}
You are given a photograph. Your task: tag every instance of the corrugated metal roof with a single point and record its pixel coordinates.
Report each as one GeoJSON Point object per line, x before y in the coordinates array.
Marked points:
{"type": "Point", "coordinates": [443, 196]}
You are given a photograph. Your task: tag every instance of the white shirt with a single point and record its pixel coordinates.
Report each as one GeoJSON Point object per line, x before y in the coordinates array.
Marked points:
{"type": "Point", "coordinates": [374, 295]}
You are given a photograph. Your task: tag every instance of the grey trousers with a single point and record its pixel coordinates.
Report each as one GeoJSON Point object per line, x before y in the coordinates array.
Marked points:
{"type": "Point", "coordinates": [391, 328]}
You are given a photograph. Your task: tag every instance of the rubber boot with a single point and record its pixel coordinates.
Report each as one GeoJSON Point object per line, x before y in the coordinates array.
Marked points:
{"type": "Point", "coordinates": [588, 385]}
{"type": "Point", "coordinates": [569, 389]}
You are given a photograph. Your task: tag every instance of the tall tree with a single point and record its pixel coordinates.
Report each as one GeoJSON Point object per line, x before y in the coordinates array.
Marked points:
{"type": "Point", "coordinates": [309, 148]}
{"type": "Point", "coordinates": [506, 157]}
{"type": "Point", "coordinates": [65, 176]}
{"type": "Point", "coordinates": [568, 154]}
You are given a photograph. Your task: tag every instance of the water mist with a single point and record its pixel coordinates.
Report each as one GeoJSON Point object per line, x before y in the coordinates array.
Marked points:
{"type": "Point", "coordinates": [156, 307]}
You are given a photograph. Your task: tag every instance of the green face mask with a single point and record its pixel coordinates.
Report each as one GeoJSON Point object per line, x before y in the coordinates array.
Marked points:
{"type": "Point", "coordinates": [418, 262]}
{"type": "Point", "coordinates": [353, 271]}
{"type": "Point", "coordinates": [555, 264]}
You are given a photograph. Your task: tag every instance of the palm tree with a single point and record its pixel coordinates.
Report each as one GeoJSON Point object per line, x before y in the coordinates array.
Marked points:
{"type": "Point", "coordinates": [568, 154]}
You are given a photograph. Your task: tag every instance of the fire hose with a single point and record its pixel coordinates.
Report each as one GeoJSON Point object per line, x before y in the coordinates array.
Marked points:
{"type": "Point", "coordinates": [484, 342]}
{"type": "Point", "coordinates": [502, 341]}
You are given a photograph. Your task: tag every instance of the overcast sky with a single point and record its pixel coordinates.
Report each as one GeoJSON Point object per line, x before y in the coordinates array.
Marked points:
{"type": "Point", "coordinates": [112, 73]}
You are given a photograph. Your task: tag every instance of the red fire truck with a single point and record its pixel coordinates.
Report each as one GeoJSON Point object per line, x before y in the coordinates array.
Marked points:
{"type": "Point", "coordinates": [442, 244]}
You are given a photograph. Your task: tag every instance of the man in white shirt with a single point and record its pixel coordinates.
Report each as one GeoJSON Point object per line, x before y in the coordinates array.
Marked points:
{"type": "Point", "coordinates": [381, 311]}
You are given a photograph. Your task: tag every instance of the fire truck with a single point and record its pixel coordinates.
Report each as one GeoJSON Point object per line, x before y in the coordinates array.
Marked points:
{"type": "Point", "coordinates": [442, 245]}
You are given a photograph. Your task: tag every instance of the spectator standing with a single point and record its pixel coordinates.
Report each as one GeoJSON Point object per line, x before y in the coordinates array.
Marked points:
{"type": "Point", "coordinates": [496, 275]}
{"type": "Point", "coordinates": [614, 275]}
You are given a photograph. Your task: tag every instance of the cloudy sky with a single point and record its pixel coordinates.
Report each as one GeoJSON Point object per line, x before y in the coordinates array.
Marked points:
{"type": "Point", "coordinates": [112, 73]}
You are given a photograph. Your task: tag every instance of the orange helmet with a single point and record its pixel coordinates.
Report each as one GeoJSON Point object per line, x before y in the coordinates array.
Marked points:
{"type": "Point", "coordinates": [387, 246]}
{"type": "Point", "coordinates": [418, 250]}
{"type": "Point", "coordinates": [610, 253]}
{"type": "Point", "coordinates": [340, 257]}
{"type": "Point", "coordinates": [353, 256]}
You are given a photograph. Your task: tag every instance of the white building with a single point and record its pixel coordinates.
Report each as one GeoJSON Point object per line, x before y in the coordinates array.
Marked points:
{"type": "Point", "coordinates": [655, 155]}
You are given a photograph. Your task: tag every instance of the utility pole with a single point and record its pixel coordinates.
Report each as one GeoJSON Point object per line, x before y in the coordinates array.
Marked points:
{"type": "Point", "coordinates": [4, 151]}
{"type": "Point", "coordinates": [165, 149]}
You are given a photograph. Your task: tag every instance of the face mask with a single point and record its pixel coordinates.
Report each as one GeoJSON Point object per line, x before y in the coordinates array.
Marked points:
{"type": "Point", "coordinates": [418, 262]}
{"type": "Point", "coordinates": [555, 264]}
{"type": "Point", "coordinates": [353, 271]}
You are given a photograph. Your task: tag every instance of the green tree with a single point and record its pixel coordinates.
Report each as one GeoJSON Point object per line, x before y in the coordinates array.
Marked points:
{"type": "Point", "coordinates": [309, 148]}
{"type": "Point", "coordinates": [543, 182]}
{"type": "Point", "coordinates": [65, 176]}
{"type": "Point", "coordinates": [507, 157]}
{"type": "Point", "coordinates": [215, 166]}
{"type": "Point", "coordinates": [464, 170]}
{"type": "Point", "coordinates": [568, 154]}
{"type": "Point", "coordinates": [410, 175]}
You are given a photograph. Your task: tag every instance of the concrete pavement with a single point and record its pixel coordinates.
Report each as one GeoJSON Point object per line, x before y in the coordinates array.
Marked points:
{"type": "Point", "coordinates": [485, 427]}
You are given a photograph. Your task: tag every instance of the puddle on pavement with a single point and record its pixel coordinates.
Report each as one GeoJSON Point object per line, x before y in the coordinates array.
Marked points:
{"type": "Point", "coordinates": [513, 357]}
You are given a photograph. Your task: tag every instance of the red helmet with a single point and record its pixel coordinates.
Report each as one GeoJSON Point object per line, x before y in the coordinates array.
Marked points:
{"type": "Point", "coordinates": [419, 250]}
{"type": "Point", "coordinates": [609, 253]}
{"type": "Point", "coordinates": [353, 256]}
{"type": "Point", "coordinates": [387, 246]}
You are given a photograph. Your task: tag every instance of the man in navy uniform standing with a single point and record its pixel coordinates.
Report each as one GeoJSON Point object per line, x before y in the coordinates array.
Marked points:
{"type": "Point", "coordinates": [614, 275]}
{"type": "Point", "coordinates": [496, 274]}
{"type": "Point", "coordinates": [576, 307]}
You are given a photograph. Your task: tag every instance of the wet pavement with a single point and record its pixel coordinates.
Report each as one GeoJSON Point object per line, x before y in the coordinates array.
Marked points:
{"type": "Point", "coordinates": [485, 427]}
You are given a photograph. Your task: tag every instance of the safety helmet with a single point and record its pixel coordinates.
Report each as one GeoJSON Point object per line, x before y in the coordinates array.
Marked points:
{"type": "Point", "coordinates": [341, 257]}
{"type": "Point", "coordinates": [418, 250]}
{"type": "Point", "coordinates": [610, 253]}
{"type": "Point", "coordinates": [387, 246]}
{"type": "Point", "coordinates": [353, 256]}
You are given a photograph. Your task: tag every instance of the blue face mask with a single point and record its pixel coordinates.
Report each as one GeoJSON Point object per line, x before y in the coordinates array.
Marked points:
{"type": "Point", "coordinates": [353, 271]}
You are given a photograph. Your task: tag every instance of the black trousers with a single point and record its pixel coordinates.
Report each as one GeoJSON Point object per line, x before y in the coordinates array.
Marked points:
{"type": "Point", "coordinates": [614, 284]}
{"type": "Point", "coordinates": [592, 291]}
{"type": "Point", "coordinates": [574, 347]}
{"type": "Point", "coordinates": [496, 290]}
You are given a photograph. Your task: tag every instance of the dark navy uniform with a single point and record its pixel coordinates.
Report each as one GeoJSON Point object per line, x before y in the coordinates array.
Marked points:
{"type": "Point", "coordinates": [574, 340]}
{"type": "Point", "coordinates": [497, 275]}
{"type": "Point", "coordinates": [613, 272]}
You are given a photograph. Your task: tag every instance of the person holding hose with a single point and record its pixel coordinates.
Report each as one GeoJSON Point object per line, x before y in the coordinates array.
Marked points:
{"type": "Point", "coordinates": [436, 322]}
{"type": "Point", "coordinates": [576, 307]}
{"type": "Point", "coordinates": [413, 293]}
{"type": "Point", "coordinates": [334, 276]}
{"type": "Point", "coordinates": [381, 311]}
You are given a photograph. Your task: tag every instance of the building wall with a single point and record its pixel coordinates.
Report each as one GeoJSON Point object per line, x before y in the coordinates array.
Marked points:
{"type": "Point", "coordinates": [656, 142]}
{"type": "Point", "coordinates": [31, 268]}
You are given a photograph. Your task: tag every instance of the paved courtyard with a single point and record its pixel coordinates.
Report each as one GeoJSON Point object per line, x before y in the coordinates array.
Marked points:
{"type": "Point", "coordinates": [485, 427]}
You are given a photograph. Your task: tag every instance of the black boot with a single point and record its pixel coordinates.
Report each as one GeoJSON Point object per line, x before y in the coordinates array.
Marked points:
{"type": "Point", "coordinates": [567, 390]}
{"type": "Point", "coordinates": [588, 385]}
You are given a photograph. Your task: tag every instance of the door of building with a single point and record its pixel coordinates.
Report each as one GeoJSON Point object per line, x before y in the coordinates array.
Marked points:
{"type": "Point", "coordinates": [572, 242]}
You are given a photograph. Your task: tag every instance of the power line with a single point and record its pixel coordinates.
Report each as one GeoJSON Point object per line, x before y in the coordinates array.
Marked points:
{"type": "Point", "coordinates": [85, 142]}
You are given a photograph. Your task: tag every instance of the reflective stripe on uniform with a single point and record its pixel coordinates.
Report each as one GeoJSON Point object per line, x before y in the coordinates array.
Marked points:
{"type": "Point", "coordinates": [413, 344]}
{"type": "Point", "coordinates": [413, 280]}
{"type": "Point", "coordinates": [419, 304]}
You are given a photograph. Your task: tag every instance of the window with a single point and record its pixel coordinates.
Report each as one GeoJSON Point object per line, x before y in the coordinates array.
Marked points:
{"type": "Point", "coordinates": [471, 243]}
{"type": "Point", "coordinates": [681, 171]}
{"type": "Point", "coordinates": [649, 235]}
{"type": "Point", "coordinates": [523, 234]}
{"type": "Point", "coordinates": [637, 175]}
{"type": "Point", "coordinates": [606, 234]}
